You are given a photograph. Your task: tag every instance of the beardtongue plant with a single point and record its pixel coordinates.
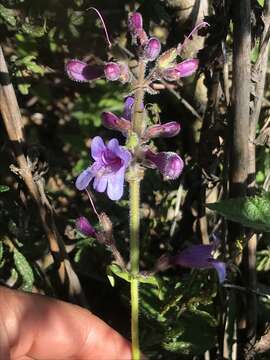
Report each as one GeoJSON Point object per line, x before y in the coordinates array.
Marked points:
{"type": "Point", "coordinates": [113, 163]}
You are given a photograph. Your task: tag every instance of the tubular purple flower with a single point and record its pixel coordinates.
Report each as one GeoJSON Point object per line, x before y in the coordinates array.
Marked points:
{"type": "Point", "coordinates": [169, 129]}
{"type": "Point", "coordinates": [151, 49]}
{"type": "Point", "coordinates": [169, 163]}
{"type": "Point", "coordinates": [80, 71]}
{"type": "Point", "coordinates": [108, 170]}
{"type": "Point", "coordinates": [200, 257]}
{"type": "Point", "coordinates": [112, 71]}
{"type": "Point", "coordinates": [83, 225]}
{"type": "Point", "coordinates": [113, 122]}
{"type": "Point", "coordinates": [183, 69]}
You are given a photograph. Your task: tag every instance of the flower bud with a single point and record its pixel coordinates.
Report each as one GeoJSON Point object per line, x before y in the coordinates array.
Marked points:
{"type": "Point", "coordinates": [112, 71]}
{"type": "Point", "coordinates": [80, 71]}
{"type": "Point", "coordinates": [135, 25]}
{"type": "Point", "coordinates": [169, 163]}
{"type": "Point", "coordinates": [128, 106]}
{"type": "Point", "coordinates": [183, 69]}
{"type": "Point", "coordinates": [83, 225]}
{"type": "Point", "coordinates": [113, 122]}
{"type": "Point", "coordinates": [169, 129]}
{"type": "Point", "coordinates": [167, 58]}
{"type": "Point", "coordinates": [124, 73]}
{"type": "Point", "coordinates": [151, 49]}
{"type": "Point", "coordinates": [135, 22]}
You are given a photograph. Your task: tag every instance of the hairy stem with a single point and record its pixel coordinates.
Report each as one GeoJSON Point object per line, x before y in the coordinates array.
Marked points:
{"type": "Point", "coordinates": [134, 259]}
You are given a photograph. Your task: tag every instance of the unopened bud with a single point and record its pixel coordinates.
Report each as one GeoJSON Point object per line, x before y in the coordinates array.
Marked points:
{"type": "Point", "coordinates": [113, 122]}
{"type": "Point", "coordinates": [128, 106]}
{"type": "Point", "coordinates": [125, 75]}
{"type": "Point", "coordinates": [83, 225]}
{"type": "Point", "coordinates": [80, 71]}
{"type": "Point", "coordinates": [135, 22]}
{"type": "Point", "coordinates": [167, 58]}
{"type": "Point", "coordinates": [151, 49]}
{"type": "Point", "coordinates": [112, 71]}
{"type": "Point", "coordinates": [169, 129]}
{"type": "Point", "coordinates": [135, 25]}
{"type": "Point", "coordinates": [183, 69]}
{"type": "Point", "coordinates": [169, 163]}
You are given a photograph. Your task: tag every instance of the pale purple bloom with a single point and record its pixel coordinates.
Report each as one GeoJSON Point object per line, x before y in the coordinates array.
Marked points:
{"type": "Point", "coordinates": [112, 71]}
{"type": "Point", "coordinates": [108, 170]}
{"type": "Point", "coordinates": [83, 225]}
{"type": "Point", "coordinates": [169, 163]}
{"type": "Point", "coordinates": [151, 49]}
{"type": "Point", "coordinates": [183, 69]}
{"type": "Point", "coordinates": [80, 71]}
{"type": "Point", "coordinates": [169, 129]}
{"type": "Point", "coordinates": [200, 257]}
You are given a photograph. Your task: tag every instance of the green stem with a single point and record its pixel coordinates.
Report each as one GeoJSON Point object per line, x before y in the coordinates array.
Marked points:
{"type": "Point", "coordinates": [134, 259]}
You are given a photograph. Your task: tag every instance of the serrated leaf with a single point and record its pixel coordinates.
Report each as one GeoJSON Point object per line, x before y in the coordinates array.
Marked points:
{"type": "Point", "coordinates": [3, 188]}
{"type": "Point", "coordinates": [24, 270]}
{"type": "Point", "coordinates": [253, 212]}
{"type": "Point", "coordinates": [8, 15]}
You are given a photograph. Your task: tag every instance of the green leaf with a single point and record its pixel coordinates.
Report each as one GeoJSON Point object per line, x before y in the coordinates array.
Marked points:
{"type": "Point", "coordinates": [253, 212]}
{"type": "Point", "coordinates": [8, 15]}
{"type": "Point", "coordinates": [24, 270]}
{"type": "Point", "coordinates": [24, 88]}
{"type": "Point", "coordinates": [3, 188]}
{"type": "Point", "coordinates": [125, 275]}
{"type": "Point", "coordinates": [193, 334]}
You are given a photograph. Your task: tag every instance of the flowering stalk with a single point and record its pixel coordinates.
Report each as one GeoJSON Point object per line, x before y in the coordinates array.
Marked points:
{"type": "Point", "coordinates": [137, 123]}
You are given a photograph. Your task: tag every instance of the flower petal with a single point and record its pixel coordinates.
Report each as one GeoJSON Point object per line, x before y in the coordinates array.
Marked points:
{"type": "Point", "coordinates": [197, 256]}
{"type": "Point", "coordinates": [86, 176]}
{"type": "Point", "coordinates": [100, 183]}
{"type": "Point", "coordinates": [97, 148]}
{"type": "Point", "coordinates": [84, 179]}
{"type": "Point", "coordinates": [113, 145]}
{"type": "Point", "coordinates": [220, 268]}
{"type": "Point", "coordinates": [124, 154]}
{"type": "Point", "coordinates": [116, 184]}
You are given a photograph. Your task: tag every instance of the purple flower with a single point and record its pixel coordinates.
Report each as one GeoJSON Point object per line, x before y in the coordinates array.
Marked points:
{"type": "Point", "coordinates": [200, 257]}
{"type": "Point", "coordinates": [183, 69]}
{"type": "Point", "coordinates": [112, 71]}
{"type": "Point", "coordinates": [80, 71]}
{"type": "Point", "coordinates": [151, 49]}
{"type": "Point", "coordinates": [83, 225]}
{"type": "Point", "coordinates": [169, 163]}
{"type": "Point", "coordinates": [169, 129]}
{"type": "Point", "coordinates": [123, 124]}
{"type": "Point", "coordinates": [108, 170]}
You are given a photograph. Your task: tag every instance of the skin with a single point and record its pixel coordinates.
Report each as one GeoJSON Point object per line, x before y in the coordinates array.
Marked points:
{"type": "Point", "coordinates": [37, 327]}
